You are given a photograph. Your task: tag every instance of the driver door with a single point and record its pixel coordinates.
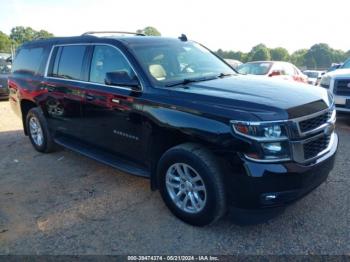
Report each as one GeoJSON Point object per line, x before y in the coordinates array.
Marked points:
{"type": "Point", "coordinates": [111, 119]}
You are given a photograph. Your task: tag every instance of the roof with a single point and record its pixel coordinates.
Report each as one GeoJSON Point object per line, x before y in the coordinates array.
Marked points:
{"type": "Point", "coordinates": [127, 40]}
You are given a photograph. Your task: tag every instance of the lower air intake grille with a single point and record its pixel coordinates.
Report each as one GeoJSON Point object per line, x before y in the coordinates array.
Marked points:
{"type": "Point", "coordinates": [313, 148]}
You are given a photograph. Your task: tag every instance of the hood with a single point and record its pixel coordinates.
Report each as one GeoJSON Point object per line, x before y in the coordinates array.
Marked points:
{"type": "Point", "coordinates": [339, 72]}
{"type": "Point", "coordinates": [266, 98]}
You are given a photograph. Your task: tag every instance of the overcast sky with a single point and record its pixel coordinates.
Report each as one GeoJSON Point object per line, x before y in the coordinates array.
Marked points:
{"type": "Point", "coordinates": [230, 25]}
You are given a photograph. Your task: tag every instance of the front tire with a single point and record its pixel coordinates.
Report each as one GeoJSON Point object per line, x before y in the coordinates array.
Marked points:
{"type": "Point", "coordinates": [38, 131]}
{"type": "Point", "coordinates": [191, 184]}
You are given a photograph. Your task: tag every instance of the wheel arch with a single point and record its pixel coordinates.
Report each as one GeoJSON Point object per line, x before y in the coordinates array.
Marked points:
{"type": "Point", "coordinates": [165, 140]}
{"type": "Point", "coordinates": [26, 105]}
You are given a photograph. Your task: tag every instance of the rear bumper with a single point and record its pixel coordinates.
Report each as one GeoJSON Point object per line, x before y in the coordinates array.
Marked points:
{"type": "Point", "coordinates": [262, 185]}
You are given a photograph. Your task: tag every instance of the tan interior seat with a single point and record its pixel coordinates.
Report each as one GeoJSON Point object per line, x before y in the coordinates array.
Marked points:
{"type": "Point", "coordinates": [157, 71]}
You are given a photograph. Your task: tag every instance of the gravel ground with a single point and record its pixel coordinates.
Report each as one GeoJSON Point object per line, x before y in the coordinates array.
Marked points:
{"type": "Point", "coordinates": [64, 203]}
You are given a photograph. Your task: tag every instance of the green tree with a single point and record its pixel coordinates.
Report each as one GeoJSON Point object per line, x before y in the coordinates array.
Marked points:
{"type": "Point", "coordinates": [310, 61]}
{"type": "Point", "coordinates": [322, 54]}
{"type": "Point", "coordinates": [259, 53]}
{"type": "Point", "coordinates": [149, 30]}
{"type": "Point", "coordinates": [5, 43]}
{"type": "Point", "coordinates": [347, 54]}
{"type": "Point", "coordinates": [279, 54]}
{"type": "Point", "coordinates": [240, 56]}
{"type": "Point", "coordinates": [298, 57]}
{"type": "Point", "coordinates": [20, 34]}
{"type": "Point", "coordinates": [42, 34]}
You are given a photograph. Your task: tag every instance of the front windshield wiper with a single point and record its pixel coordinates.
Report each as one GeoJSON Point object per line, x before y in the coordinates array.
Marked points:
{"type": "Point", "coordinates": [189, 80]}
{"type": "Point", "coordinates": [222, 75]}
{"type": "Point", "coordinates": [192, 80]}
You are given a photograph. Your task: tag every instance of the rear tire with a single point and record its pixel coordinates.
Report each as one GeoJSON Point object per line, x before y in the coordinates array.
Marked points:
{"type": "Point", "coordinates": [191, 184]}
{"type": "Point", "coordinates": [38, 131]}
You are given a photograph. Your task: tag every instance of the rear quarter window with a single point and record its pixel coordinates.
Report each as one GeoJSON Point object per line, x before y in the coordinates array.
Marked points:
{"type": "Point", "coordinates": [28, 61]}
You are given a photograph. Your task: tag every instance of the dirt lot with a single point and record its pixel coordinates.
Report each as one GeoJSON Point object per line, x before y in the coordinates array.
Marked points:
{"type": "Point", "coordinates": [64, 203]}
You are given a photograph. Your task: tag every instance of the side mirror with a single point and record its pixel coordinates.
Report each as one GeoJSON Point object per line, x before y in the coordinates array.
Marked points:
{"type": "Point", "coordinates": [275, 73]}
{"type": "Point", "coordinates": [9, 59]}
{"type": "Point", "coordinates": [122, 78]}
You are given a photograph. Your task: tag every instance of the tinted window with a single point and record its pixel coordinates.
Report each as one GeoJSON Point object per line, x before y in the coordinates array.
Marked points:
{"type": "Point", "coordinates": [107, 59]}
{"type": "Point", "coordinates": [69, 62]}
{"type": "Point", "coordinates": [28, 60]}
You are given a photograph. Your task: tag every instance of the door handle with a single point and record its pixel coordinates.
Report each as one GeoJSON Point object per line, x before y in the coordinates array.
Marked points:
{"type": "Point", "coordinates": [117, 101]}
{"type": "Point", "coordinates": [89, 97]}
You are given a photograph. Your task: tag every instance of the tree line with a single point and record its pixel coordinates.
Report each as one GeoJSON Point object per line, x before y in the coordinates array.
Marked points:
{"type": "Point", "coordinates": [318, 56]}
{"type": "Point", "coordinates": [21, 34]}
{"type": "Point", "coordinates": [18, 36]}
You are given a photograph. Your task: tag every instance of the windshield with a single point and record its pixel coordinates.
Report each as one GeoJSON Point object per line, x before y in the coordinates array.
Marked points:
{"type": "Point", "coordinates": [258, 68]}
{"type": "Point", "coordinates": [346, 64]}
{"type": "Point", "coordinates": [175, 61]}
{"type": "Point", "coordinates": [311, 74]}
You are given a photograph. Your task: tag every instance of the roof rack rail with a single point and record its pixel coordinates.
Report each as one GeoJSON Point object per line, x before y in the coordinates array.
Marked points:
{"type": "Point", "coordinates": [118, 32]}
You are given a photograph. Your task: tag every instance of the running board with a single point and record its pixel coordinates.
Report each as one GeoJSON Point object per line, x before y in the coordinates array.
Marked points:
{"type": "Point", "coordinates": [103, 157]}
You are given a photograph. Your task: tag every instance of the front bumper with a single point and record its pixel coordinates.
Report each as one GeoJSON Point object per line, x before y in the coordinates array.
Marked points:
{"type": "Point", "coordinates": [262, 185]}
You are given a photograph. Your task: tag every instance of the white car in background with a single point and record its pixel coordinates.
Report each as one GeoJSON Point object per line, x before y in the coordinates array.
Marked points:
{"type": "Point", "coordinates": [338, 83]}
{"type": "Point", "coordinates": [274, 69]}
{"type": "Point", "coordinates": [314, 76]}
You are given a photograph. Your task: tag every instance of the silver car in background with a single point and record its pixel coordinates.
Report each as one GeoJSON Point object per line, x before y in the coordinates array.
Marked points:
{"type": "Point", "coordinates": [338, 83]}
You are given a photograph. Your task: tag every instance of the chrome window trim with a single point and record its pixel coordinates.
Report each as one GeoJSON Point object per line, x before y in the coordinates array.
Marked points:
{"type": "Point", "coordinates": [88, 82]}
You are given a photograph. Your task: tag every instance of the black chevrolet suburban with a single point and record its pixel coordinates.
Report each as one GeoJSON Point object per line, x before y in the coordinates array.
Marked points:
{"type": "Point", "coordinates": [170, 110]}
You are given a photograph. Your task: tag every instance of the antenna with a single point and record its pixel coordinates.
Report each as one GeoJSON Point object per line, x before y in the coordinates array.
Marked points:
{"type": "Point", "coordinates": [183, 38]}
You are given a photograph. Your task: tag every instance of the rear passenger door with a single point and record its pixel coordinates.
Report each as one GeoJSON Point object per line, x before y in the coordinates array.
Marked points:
{"type": "Point", "coordinates": [65, 86]}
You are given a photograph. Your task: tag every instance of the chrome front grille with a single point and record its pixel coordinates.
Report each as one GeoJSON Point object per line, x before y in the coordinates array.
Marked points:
{"type": "Point", "coordinates": [314, 135]}
{"type": "Point", "coordinates": [342, 87]}
{"type": "Point", "coordinates": [312, 123]}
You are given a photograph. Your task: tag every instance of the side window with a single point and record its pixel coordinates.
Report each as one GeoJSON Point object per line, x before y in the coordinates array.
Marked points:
{"type": "Point", "coordinates": [68, 62]}
{"type": "Point", "coordinates": [288, 69]}
{"type": "Point", "coordinates": [278, 68]}
{"type": "Point", "coordinates": [28, 61]}
{"type": "Point", "coordinates": [107, 59]}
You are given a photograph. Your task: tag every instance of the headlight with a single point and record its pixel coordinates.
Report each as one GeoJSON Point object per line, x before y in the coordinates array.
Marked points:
{"type": "Point", "coordinates": [260, 130]}
{"type": "Point", "coordinates": [269, 139]}
{"type": "Point", "coordinates": [325, 81]}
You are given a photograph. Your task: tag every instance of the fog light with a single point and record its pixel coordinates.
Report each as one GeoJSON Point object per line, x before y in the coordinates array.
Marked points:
{"type": "Point", "coordinates": [272, 147]}
{"type": "Point", "coordinates": [270, 197]}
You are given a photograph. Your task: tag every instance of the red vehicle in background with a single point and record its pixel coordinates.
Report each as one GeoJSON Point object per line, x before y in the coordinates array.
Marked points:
{"type": "Point", "coordinates": [275, 69]}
